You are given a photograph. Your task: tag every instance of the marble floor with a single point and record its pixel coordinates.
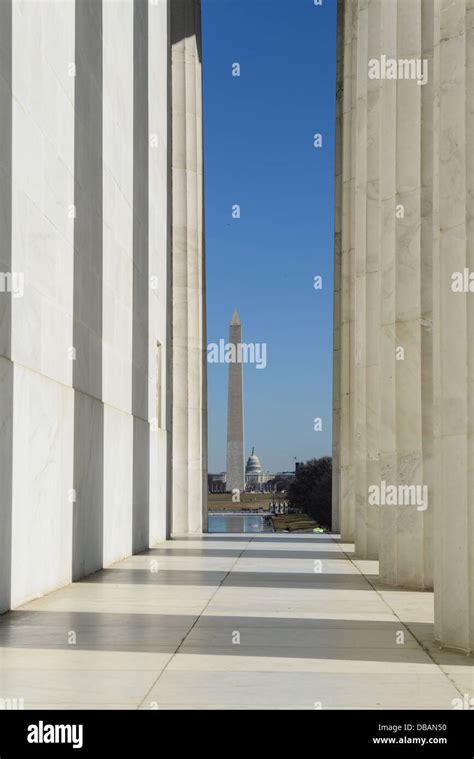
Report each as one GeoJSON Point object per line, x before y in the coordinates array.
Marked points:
{"type": "Point", "coordinates": [271, 621]}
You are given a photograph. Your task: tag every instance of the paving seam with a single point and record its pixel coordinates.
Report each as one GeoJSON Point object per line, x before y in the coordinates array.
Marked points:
{"type": "Point", "coordinates": [403, 624]}
{"type": "Point", "coordinates": [218, 587]}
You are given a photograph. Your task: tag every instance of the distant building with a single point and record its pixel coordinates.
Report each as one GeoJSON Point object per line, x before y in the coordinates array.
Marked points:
{"type": "Point", "coordinates": [281, 482]}
{"type": "Point", "coordinates": [255, 478]}
{"type": "Point", "coordinates": [216, 482]}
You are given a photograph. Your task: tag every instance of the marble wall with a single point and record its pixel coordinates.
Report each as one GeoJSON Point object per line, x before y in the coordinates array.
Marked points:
{"type": "Point", "coordinates": [85, 332]}
{"type": "Point", "coordinates": [402, 366]}
{"type": "Point", "coordinates": [42, 317]}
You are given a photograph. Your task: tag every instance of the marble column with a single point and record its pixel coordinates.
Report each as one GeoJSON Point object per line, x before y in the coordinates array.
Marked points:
{"type": "Point", "coordinates": [453, 350]}
{"type": "Point", "coordinates": [194, 394]}
{"type": "Point", "coordinates": [336, 393]}
{"type": "Point", "coordinates": [383, 365]}
{"type": "Point", "coordinates": [84, 222]}
{"type": "Point", "coordinates": [189, 440]}
{"type": "Point", "coordinates": [180, 275]}
{"type": "Point", "coordinates": [365, 279]}
{"type": "Point", "coordinates": [200, 514]}
{"type": "Point", "coordinates": [343, 358]}
{"type": "Point", "coordinates": [6, 365]}
{"type": "Point", "coordinates": [406, 529]}
{"type": "Point", "coordinates": [368, 274]}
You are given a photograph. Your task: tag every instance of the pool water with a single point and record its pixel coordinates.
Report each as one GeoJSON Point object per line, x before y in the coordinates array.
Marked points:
{"type": "Point", "coordinates": [239, 523]}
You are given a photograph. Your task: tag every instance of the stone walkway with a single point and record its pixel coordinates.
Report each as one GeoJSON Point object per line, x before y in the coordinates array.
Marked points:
{"type": "Point", "coordinates": [231, 621]}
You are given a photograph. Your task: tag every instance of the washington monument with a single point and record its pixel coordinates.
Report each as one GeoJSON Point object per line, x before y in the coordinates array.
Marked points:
{"type": "Point", "coordinates": [235, 476]}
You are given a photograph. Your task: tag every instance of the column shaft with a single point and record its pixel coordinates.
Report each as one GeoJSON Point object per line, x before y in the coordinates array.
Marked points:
{"type": "Point", "coordinates": [405, 555]}
{"type": "Point", "coordinates": [454, 333]}
{"type": "Point", "coordinates": [337, 316]}
{"type": "Point", "coordinates": [366, 524]}
{"type": "Point", "coordinates": [188, 271]}
{"type": "Point", "coordinates": [180, 493]}
{"type": "Point", "coordinates": [346, 353]}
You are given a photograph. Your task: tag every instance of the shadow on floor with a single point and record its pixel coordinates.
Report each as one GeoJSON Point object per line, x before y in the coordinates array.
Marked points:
{"type": "Point", "coordinates": [236, 579]}
{"type": "Point", "coordinates": [250, 538]}
{"type": "Point", "coordinates": [214, 636]}
{"type": "Point", "coordinates": [248, 554]}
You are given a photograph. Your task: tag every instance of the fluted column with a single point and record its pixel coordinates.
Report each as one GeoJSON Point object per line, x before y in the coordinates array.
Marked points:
{"type": "Point", "coordinates": [429, 233]}
{"type": "Point", "coordinates": [201, 513]}
{"type": "Point", "coordinates": [188, 270]}
{"type": "Point", "coordinates": [406, 527]}
{"type": "Point", "coordinates": [454, 332]}
{"type": "Point", "coordinates": [388, 189]}
{"type": "Point", "coordinates": [344, 278]}
{"type": "Point", "coordinates": [398, 563]}
{"type": "Point", "coordinates": [384, 413]}
{"type": "Point", "coordinates": [194, 447]}
{"type": "Point", "coordinates": [367, 534]}
{"type": "Point", "coordinates": [410, 166]}
{"type": "Point", "coordinates": [180, 492]}
{"type": "Point", "coordinates": [337, 316]}
{"type": "Point", "coordinates": [365, 282]}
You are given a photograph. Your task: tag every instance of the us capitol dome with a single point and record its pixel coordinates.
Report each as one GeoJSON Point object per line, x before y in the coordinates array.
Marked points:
{"type": "Point", "coordinates": [255, 478]}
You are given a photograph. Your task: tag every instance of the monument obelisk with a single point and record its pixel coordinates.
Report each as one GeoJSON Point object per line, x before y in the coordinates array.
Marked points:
{"type": "Point", "coordinates": [235, 476]}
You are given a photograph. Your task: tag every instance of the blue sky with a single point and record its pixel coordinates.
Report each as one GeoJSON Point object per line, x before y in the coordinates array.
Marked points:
{"type": "Point", "coordinates": [259, 153]}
